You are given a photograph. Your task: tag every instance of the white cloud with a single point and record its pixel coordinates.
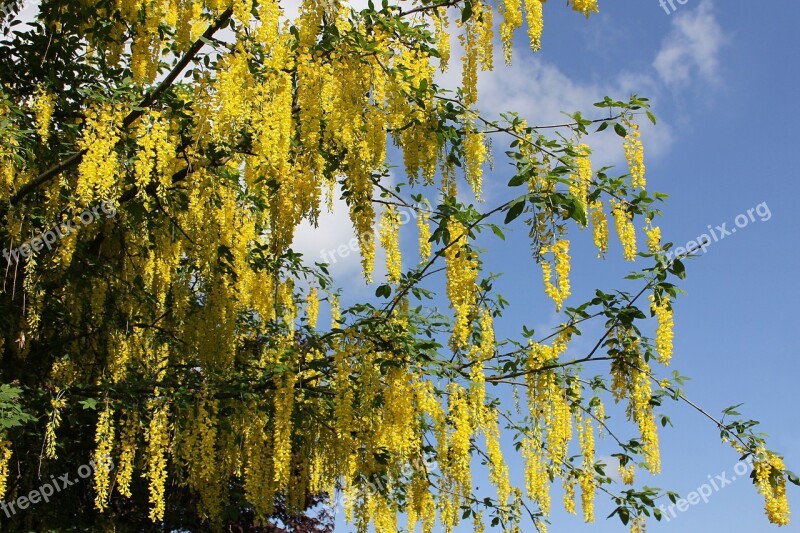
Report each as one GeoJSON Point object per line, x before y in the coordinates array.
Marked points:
{"type": "Point", "coordinates": [541, 93]}
{"type": "Point", "coordinates": [691, 48]}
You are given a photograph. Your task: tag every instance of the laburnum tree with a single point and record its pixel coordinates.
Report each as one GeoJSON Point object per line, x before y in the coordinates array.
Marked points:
{"type": "Point", "coordinates": [156, 160]}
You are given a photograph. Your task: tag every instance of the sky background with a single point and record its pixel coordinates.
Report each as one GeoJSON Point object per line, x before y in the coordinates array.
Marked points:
{"type": "Point", "coordinates": [722, 77]}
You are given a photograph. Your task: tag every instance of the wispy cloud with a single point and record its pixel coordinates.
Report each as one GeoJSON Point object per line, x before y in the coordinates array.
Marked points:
{"type": "Point", "coordinates": [692, 47]}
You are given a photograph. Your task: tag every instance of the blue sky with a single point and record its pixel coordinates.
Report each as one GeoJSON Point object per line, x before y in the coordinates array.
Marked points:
{"type": "Point", "coordinates": [722, 77]}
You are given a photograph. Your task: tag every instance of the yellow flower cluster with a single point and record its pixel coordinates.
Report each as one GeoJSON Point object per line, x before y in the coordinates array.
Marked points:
{"type": "Point", "coordinates": [462, 272]}
{"type": "Point", "coordinates": [8, 147]}
{"type": "Point", "coordinates": [43, 111]}
{"type": "Point", "coordinates": [5, 457]}
{"type": "Point", "coordinates": [587, 7]}
{"type": "Point", "coordinates": [666, 324]}
{"type": "Point", "coordinates": [155, 152]}
{"type": "Point", "coordinates": [587, 482]}
{"type": "Point", "coordinates": [549, 411]}
{"type": "Point", "coordinates": [57, 404]}
{"type": "Point", "coordinates": [498, 469]}
{"type": "Point", "coordinates": [336, 314]}
{"type": "Point", "coordinates": [638, 524]}
{"type": "Point", "coordinates": [475, 157]}
{"type": "Point", "coordinates": [535, 17]}
{"type": "Point", "coordinates": [582, 179]}
{"type": "Point", "coordinates": [282, 440]}
{"type": "Point", "coordinates": [627, 473]}
{"type": "Point", "coordinates": [104, 438]}
{"type": "Point", "coordinates": [631, 380]}
{"type": "Point", "coordinates": [771, 483]}
{"type": "Point", "coordinates": [312, 307]}
{"type": "Point", "coordinates": [569, 495]}
{"type": "Point", "coordinates": [599, 227]}
{"type": "Point", "coordinates": [127, 455]}
{"type": "Point", "coordinates": [197, 450]}
{"type": "Point", "coordinates": [390, 241]}
{"type": "Point", "coordinates": [625, 229]}
{"type": "Point", "coordinates": [476, 40]}
{"type": "Point", "coordinates": [441, 23]}
{"type": "Point", "coordinates": [157, 447]}
{"type": "Point", "coordinates": [99, 168]}
{"type": "Point", "coordinates": [459, 456]}
{"type": "Point", "coordinates": [424, 235]}
{"type": "Point", "coordinates": [653, 238]}
{"type": "Point", "coordinates": [634, 153]}
{"type": "Point", "coordinates": [512, 19]}
{"type": "Point", "coordinates": [561, 257]}
{"type": "Point", "coordinates": [482, 15]}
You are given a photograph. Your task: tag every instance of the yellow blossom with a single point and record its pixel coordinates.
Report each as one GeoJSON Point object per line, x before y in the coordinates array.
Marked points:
{"type": "Point", "coordinates": [599, 227]}
{"type": "Point", "coordinates": [312, 307]}
{"type": "Point", "coordinates": [587, 7]}
{"type": "Point", "coordinates": [771, 483]}
{"type": "Point", "coordinates": [43, 111]}
{"type": "Point", "coordinates": [535, 18]}
{"type": "Point", "coordinates": [653, 238]}
{"type": "Point", "coordinates": [625, 229]}
{"type": "Point", "coordinates": [664, 333]}
{"type": "Point", "coordinates": [634, 153]}
{"type": "Point", "coordinates": [5, 457]}
{"type": "Point", "coordinates": [424, 235]}
{"type": "Point", "coordinates": [104, 438]}
{"type": "Point", "coordinates": [389, 234]}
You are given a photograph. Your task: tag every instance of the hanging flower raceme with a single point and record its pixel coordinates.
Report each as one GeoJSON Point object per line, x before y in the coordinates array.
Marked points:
{"type": "Point", "coordinates": [653, 237]}
{"type": "Point", "coordinates": [776, 504]}
{"type": "Point", "coordinates": [157, 444]}
{"type": "Point", "coordinates": [561, 291]}
{"type": "Point", "coordinates": [625, 229]}
{"type": "Point", "coordinates": [582, 178]}
{"type": "Point", "coordinates": [98, 171]}
{"type": "Point", "coordinates": [43, 111]}
{"type": "Point", "coordinates": [462, 272]}
{"type": "Point", "coordinates": [634, 152]}
{"type": "Point", "coordinates": [5, 457]}
{"type": "Point", "coordinates": [390, 241]}
{"type": "Point", "coordinates": [662, 308]}
{"type": "Point", "coordinates": [599, 227]}
{"type": "Point", "coordinates": [104, 438]}
{"type": "Point", "coordinates": [587, 7]}
{"type": "Point", "coordinates": [312, 307]}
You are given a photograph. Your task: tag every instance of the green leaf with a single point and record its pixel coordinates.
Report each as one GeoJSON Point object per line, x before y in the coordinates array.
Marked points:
{"type": "Point", "coordinates": [515, 209]}
{"type": "Point", "coordinates": [678, 269]}
{"type": "Point", "coordinates": [497, 231]}
{"type": "Point", "coordinates": [466, 13]}
{"type": "Point", "coordinates": [620, 129]}
{"type": "Point", "coordinates": [89, 404]}
{"type": "Point", "coordinates": [384, 291]}
{"type": "Point", "coordinates": [518, 180]}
